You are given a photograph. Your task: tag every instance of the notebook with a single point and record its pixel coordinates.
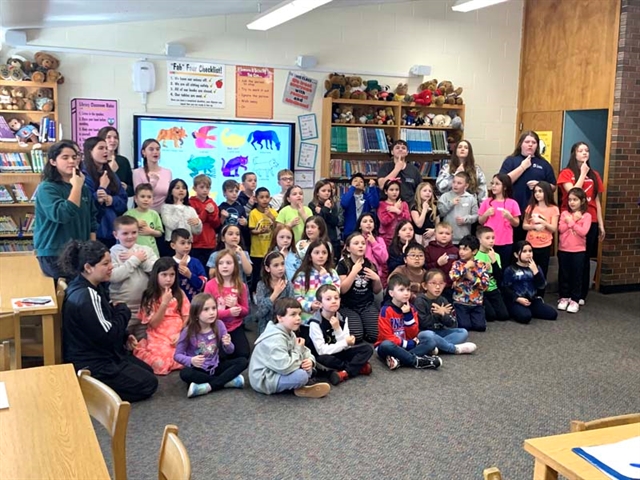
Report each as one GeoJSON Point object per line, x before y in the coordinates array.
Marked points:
{"type": "Point", "coordinates": [619, 460]}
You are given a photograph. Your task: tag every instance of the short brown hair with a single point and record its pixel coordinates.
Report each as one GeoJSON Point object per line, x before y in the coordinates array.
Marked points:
{"type": "Point", "coordinates": [202, 179]}
{"type": "Point", "coordinates": [282, 305]}
{"type": "Point", "coordinates": [143, 187]}
{"type": "Point", "coordinates": [284, 172]}
{"type": "Point", "coordinates": [124, 220]}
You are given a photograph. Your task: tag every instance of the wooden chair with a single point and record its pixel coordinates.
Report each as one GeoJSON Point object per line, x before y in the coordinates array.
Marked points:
{"type": "Point", "coordinates": [5, 356]}
{"type": "Point", "coordinates": [579, 426]}
{"type": "Point", "coordinates": [492, 473]}
{"type": "Point", "coordinates": [108, 408]}
{"type": "Point", "coordinates": [174, 463]}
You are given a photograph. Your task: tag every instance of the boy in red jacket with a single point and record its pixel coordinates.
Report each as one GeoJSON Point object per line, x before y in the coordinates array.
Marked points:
{"type": "Point", "coordinates": [400, 341]}
{"type": "Point", "coordinates": [207, 210]}
{"type": "Point", "coordinates": [441, 254]}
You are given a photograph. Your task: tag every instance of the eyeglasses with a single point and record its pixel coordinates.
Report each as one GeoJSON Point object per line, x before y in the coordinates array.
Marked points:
{"type": "Point", "coordinates": [415, 255]}
{"type": "Point", "coordinates": [287, 179]}
{"type": "Point", "coordinates": [436, 284]}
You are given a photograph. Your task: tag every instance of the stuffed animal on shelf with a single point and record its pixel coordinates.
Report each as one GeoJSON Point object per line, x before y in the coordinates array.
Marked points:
{"type": "Point", "coordinates": [46, 69]}
{"type": "Point", "coordinates": [381, 117]}
{"type": "Point", "coordinates": [451, 94]}
{"type": "Point", "coordinates": [353, 88]}
{"type": "Point", "coordinates": [390, 120]}
{"type": "Point", "coordinates": [6, 100]}
{"type": "Point", "coordinates": [411, 117]}
{"type": "Point", "coordinates": [423, 97]}
{"type": "Point", "coordinates": [335, 114]}
{"type": "Point", "coordinates": [347, 116]}
{"type": "Point", "coordinates": [421, 120]}
{"type": "Point", "coordinates": [24, 131]}
{"type": "Point", "coordinates": [372, 89]}
{"type": "Point", "coordinates": [19, 68]}
{"type": "Point", "coordinates": [19, 95]}
{"type": "Point", "coordinates": [44, 100]}
{"type": "Point", "coordinates": [30, 100]}
{"type": "Point", "coordinates": [334, 85]}
{"type": "Point", "coordinates": [385, 93]}
{"type": "Point", "coordinates": [401, 93]}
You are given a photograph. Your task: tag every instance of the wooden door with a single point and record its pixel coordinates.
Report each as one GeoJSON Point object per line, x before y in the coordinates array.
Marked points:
{"type": "Point", "coordinates": [545, 122]}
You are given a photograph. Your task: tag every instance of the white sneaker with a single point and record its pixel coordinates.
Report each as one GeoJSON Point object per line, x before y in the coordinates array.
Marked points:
{"type": "Point", "coordinates": [581, 302]}
{"type": "Point", "coordinates": [434, 352]}
{"type": "Point", "coordinates": [563, 303]}
{"type": "Point", "coordinates": [197, 389]}
{"type": "Point", "coordinates": [573, 307]}
{"type": "Point", "coordinates": [237, 382]}
{"type": "Point", "coordinates": [466, 347]}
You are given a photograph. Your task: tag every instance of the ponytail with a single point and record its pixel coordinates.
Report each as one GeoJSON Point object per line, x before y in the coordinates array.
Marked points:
{"type": "Point", "coordinates": [76, 254]}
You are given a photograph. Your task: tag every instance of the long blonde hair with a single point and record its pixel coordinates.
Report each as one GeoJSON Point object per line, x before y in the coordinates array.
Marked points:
{"type": "Point", "coordinates": [236, 278]}
{"type": "Point", "coordinates": [432, 203]}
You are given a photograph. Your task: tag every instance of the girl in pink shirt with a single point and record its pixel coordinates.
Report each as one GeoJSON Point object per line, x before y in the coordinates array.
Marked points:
{"type": "Point", "coordinates": [500, 212]}
{"type": "Point", "coordinates": [573, 226]}
{"type": "Point", "coordinates": [151, 172]}
{"type": "Point", "coordinates": [233, 299]}
{"type": "Point", "coordinates": [540, 223]}
{"type": "Point", "coordinates": [392, 210]}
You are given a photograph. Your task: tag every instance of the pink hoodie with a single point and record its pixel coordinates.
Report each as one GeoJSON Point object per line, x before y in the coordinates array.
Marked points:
{"type": "Point", "coordinates": [573, 235]}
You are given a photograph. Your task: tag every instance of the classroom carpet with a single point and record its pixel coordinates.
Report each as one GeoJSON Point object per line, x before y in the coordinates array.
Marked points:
{"type": "Point", "coordinates": [474, 412]}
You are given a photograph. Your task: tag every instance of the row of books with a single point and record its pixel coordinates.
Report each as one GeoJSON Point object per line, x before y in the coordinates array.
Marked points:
{"type": "Point", "coordinates": [425, 141]}
{"type": "Point", "coordinates": [16, 246]}
{"type": "Point", "coordinates": [359, 140]}
{"type": "Point", "coordinates": [22, 162]}
{"type": "Point", "coordinates": [14, 193]}
{"type": "Point", "coordinates": [9, 226]}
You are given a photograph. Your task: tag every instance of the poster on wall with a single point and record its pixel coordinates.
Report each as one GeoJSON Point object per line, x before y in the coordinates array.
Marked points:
{"type": "Point", "coordinates": [307, 155]}
{"type": "Point", "coordinates": [546, 139]}
{"type": "Point", "coordinates": [299, 91]}
{"type": "Point", "coordinates": [308, 126]}
{"type": "Point", "coordinates": [89, 115]}
{"type": "Point", "coordinates": [254, 92]}
{"type": "Point", "coordinates": [192, 84]}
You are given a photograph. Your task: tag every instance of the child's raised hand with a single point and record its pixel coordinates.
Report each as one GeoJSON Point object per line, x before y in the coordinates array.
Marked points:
{"type": "Point", "coordinates": [132, 342]}
{"type": "Point", "coordinates": [104, 179]}
{"type": "Point", "coordinates": [295, 221]}
{"type": "Point", "coordinates": [142, 224]}
{"type": "Point", "coordinates": [316, 305]}
{"type": "Point", "coordinates": [577, 215]}
{"type": "Point", "coordinates": [456, 200]}
{"type": "Point", "coordinates": [448, 308]}
{"type": "Point", "coordinates": [460, 220]}
{"type": "Point", "coordinates": [322, 271]}
{"type": "Point", "coordinates": [174, 339]}
{"type": "Point", "coordinates": [235, 311]}
{"type": "Point", "coordinates": [279, 287]}
{"type": "Point", "coordinates": [335, 323]}
{"type": "Point", "coordinates": [306, 364]}
{"type": "Point", "coordinates": [584, 169]}
{"type": "Point", "coordinates": [490, 211]}
{"type": "Point", "coordinates": [357, 265]}
{"type": "Point", "coordinates": [370, 238]}
{"type": "Point", "coordinates": [533, 266]}
{"type": "Point", "coordinates": [372, 183]}
{"type": "Point", "coordinates": [492, 255]}
{"type": "Point", "coordinates": [507, 214]}
{"type": "Point", "coordinates": [193, 221]}
{"type": "Point", "coordinates": [230, 301]}
{"type": "Point", "coordinates": [300, 341]}
{"type": "Point", "coordinates": [242, 222]}
{"type": "Point", "coordinates": [369, 274]}
{"type": "Point", "coordinates": [167, 296]}
{"type": "Point", "coordinates": [124, 256]}
{"type": "Point", "coordinates": [318, 209]}
{"type": "Point", "coordinates": [184, 270]}
{"type": "Point", "coordinates": [443, 259]}
{"type": "Point", "coordinates": [224, 214]}
{"type": "Point", "coordinates": [406, 308]}
{"type": "Point", "coordinates": [470, 264]}
{"type": "Point", "coordinates": [209, 208]}
{"type": "Point", "coordinates": [197, 361]}
{"type": "Point", "coordinates": [351, 340]}
{"type": "Point", "coordinates": [328, 203]}
{"type": "Point", "coordinates": [140, 255]}
{"type": "Point", "coordinates": [226, 339]}
{"type": "Point", "coordinates": [523, 301]}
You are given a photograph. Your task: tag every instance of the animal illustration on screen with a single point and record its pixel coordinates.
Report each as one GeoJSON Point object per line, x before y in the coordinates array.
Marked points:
{"type": "Point", "coordinates": [231, 140]}
{"type": "Point", "coordinates": [203, 137]}
{"type": "Point", "coordinates": [265, 168]}
{"type": "Point", "coordinates": [264, 138]}
{"type": "Point", "coordinates": [230, 168]}
{"type": "Point", "coordinates": [173, 134]}
{"type": "Point", "coordinates": [199, 165]}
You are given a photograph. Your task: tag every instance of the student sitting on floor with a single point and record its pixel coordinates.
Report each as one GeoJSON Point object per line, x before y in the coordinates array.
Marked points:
{"type": "Point", "coordinates": [413, 267]}
{"type": "Point", "coordinates": [441, 254]}
{"type": "Point", "coordinates": [334, 345]}
{"type": "Point", "coordinates": [280, 360]}
{"type": "Point", "coordinates": [434, 317]}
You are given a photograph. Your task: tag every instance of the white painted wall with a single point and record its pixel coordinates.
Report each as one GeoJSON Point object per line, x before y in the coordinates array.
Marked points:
{"type": "Point", "coordinates": [479, 51]}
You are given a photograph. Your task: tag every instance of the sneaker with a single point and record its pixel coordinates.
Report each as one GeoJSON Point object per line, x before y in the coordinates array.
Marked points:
{"type": "Point", "coordinates": [573, 307]}
{"type": "Point", "coordinates": [427, 361]}
{"type": "Point", "coordinates": [317, 390]}
{"type": "Point", "coordinates": [435, 351]}
{"type": "Point", "coordinates": [197, 389]}
{"type": "Point", "coordinates": [393, 363]}
{"type": "Point", "coordinates": [237, 382]}
{"type": "Point", "coordinates": [581, 302]}
{"type": "Point", "coordinates": [337, 377]}
{"type": "Point", "coordinates": [366, 369]}
{"type": "Point", "coordinates": [466, 347]}
{"type": "Point", "coordinates": [563, 303]}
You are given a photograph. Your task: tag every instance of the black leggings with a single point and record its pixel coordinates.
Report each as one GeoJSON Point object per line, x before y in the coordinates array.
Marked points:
{"type": "Point", "coordinates": [242, 348]}
{"type": "Point", "coordinates": [541, 257]}
{"type": "Point", "coordinates": [537, 309]}
{"type": "Point", "coordinates": [592, 251]}
{"type": "Point", "coordinates": [363, 324]}
{"type": "Point", "coordinates": [351, 360]}
{"type": "Point", "coordinates": [226, 371]}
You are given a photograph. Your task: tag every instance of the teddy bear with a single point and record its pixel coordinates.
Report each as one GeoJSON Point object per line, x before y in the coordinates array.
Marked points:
{"type": "Point", "coordinates": [451, 94]}
{"type": "Point", "coordinates": [401, 93]}
{"type": "Point", "coordinates": [44, 100]}
{"type": "Point", "coordinates": [421, 119]}
{"type": "Point", "coordinates": [372, 89]}
{"type": "Point", "coordinates": [334, 85]}
{"type": "Point", "coordinates": [347, 116]}
{"type": "Point", "coordinates": [46, 69]}
{"type": "Point", "coordinates": [423, 97]}
{"type": "Point", "coordinates": [19, 68]}
{"type": "Point", "coordinates": [30, 100]}
{"type": "Point", "coordinates": [5, 98]}
{"type": "Point", "coordinates": [390, 117]}
{"type": "Point", "coordinates": [19, 95]}
{"type": "Point", "coordinates": [353, 88]}
{"type": "Point", "coordinates": [24, 131]}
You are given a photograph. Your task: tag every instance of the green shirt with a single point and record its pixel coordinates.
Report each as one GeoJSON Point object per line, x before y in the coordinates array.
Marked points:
{"type": "Point", "coordinates": [484, 257]}
{"type": "Point", "coordinates": [153, 220]}
{"type": "Point", "coordinates": [287, 214]}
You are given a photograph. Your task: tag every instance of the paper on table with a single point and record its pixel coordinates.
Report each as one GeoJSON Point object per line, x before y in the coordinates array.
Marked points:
{"type": "Point", "coordinates": [4, 400]}
{"type": "Point", "coordinates": [619, 460]}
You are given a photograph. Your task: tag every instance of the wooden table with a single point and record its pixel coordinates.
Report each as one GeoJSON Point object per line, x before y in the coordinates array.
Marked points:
{"type": "Point", "coordinates": [553, 454]}
{"type": "Point", "coordinates": [46, 433]}
{"type": "Point", "coordinates": [20, 276]}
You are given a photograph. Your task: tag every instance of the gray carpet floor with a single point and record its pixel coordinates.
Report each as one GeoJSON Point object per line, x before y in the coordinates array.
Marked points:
{"type": "Point", "coordinates": [476, 411]}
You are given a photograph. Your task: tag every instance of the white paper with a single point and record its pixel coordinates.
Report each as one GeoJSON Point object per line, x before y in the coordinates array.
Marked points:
{"type": "Point", "coordinates": [621, 456]}
{"type": "Point", "coordinates": [4, 400]}
{"type": "Point", "coordinates": [308, 126]}
{"type": "Point", "coordinates": [304, 178]}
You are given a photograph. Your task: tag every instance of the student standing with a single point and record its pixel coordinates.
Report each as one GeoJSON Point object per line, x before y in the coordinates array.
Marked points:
{"type": "Point", "coordinates": [209, 215]}
{"type": "Point", "coordinates": [408, 174]}
{"type": "Point", "coordinates": [119, 165]}
{"type": "Point", "coordinates": [293, 213]}
{"type": "Point", "coordinates": [272, 286]}
{"type": "Point", "coordinates": [178, 213]}
{"type": "Point", "coordinates": [64, 207]}
{"type": "Point", "coordinates": [282, 241]}
{"type": "Point", "coordinates": [324, 206]}
{"type": "Point", "coordinates": [315, 228]}
{"type": "Point", "coordinates": [462, 160]}
{"type": "Point", "coordinates": [358, 201]}
{"type": "Point", "coordinates": [492, 301]}
{"type": "Point", "coordinates": [247, 196]}
{"type": "Point", "coordinates": [376, 251]}
{"type": "Point", "coordinates": [458, 207]}
{"type": "Point", "coordinates": [285, 180]}
{"type": "Point", "coordinates": [151, 172]}
{"type": "Point", "coordinates": [424, 213]}
{"type": "Point", "coordinates": [392, 211]}
{"type": "Point", "coordinates": [262, 221]}
{"type": "Point", "coordinates": [232, 212]}
{"type": "Point", "coordinates": [150, 226]}
{"type": "Point", "coordinates": [231, 239]}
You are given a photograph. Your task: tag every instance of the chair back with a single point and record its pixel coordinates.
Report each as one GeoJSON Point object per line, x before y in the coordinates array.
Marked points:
{"type": "Point", "coordinates": [579, 426]}
{"type": "Point", "coordinates": [492, 473]}
{"type": "Point", "coordinates": [5, 356]}
{"type": "Point", "coordinates": [107, 407]}
{"type": "Point", "coordinates": [174, 463]}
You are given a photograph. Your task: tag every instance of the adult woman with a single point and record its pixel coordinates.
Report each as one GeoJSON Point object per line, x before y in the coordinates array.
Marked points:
{"type": "Point", "coordinates": [462, 160]}
{"type": "Point", "coordinates": [408, 174]}
{"type": "Point", "coordinates": [526, 168]}
{"type": "Point", "coordinates": [119, 165]}
{"type": "Point", "coordinates": [94, 330]}
{"type": "Point", "coordinates": [151, 172]}
{"type": "Point", "coordinates": [110, 197]}
{"type": "Point", "coordinates": [64, 207]}
{"type": "Point", "coordinates": [579, 173]}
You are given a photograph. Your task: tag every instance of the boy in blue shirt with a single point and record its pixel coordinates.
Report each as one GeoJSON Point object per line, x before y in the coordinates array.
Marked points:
{"type": "Point", "coordinates": [191, 274]}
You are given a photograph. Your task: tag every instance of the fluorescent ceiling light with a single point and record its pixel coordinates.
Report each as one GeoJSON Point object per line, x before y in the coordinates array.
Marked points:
{"type": "Point", "coordinates": [469, 5]}
{"type": "Point", "coordinates": [283, 12]}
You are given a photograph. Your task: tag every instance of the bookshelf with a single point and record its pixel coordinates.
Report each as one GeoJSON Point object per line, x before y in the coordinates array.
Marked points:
{"type": "Point", "coordinates": [353, 147]}
{"type": "Point", "coordinates": [20, 172]}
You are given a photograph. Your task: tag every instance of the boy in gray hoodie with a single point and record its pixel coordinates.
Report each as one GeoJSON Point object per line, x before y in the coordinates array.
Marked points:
{"type": "Point", "coordinates": [458, 207]}
{"type": "Point", "coordinates": [280, 360]}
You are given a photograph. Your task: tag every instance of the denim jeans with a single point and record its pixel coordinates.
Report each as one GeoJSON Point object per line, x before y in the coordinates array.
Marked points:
{"type": "Point", "coordinates": [447, 338]}
{"type": "Point", "coordinates": [470, 317]}
{"type": "Point", "coordinates": [407, 358]}
{"type": "Point", "coordinates": [294, 380]}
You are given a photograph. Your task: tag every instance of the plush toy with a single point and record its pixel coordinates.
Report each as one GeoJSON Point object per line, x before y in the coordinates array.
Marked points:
{"type": "Point", "coordinates": [441, 120]}
{"type": "Point", "coordinates": [411, 117]}
{"type": "Point", "coordinates": [30, 100]}
{"type": "Point", "coordinates": [5, 98]}
{"type": "Point", "coordinates": [385, 93]}
{"type": "Point", "coordinates": [19, 68]}
{"type": "Point", "coordinates": [401, 94]}
{"type": "Point", "coordinates": [347, 116]}
{"type": "Point", "coordinates": [420, 119]}
{"type": "Point", "coordinates": [334, 85]}
{"type": "Point", "coordinates": [46, 69]}
{"type": "Point", "coordinates": [353, 88]}
{"type": "Point", "coordinates": [372, 89]}
{"type": "Point", "coordinates": [451, 94]}
{"type": "Point", "coordinates": [44, 100]}
{"type": "Point", "coordinates": [381, 117]}
{"type": "Point", "coordinates": [423, 97]}
{"type": "Point", "coordinates": [335, 115]}
{"type": "Point", "coordinates": [19, 95]}
{"type": "Point", "coordinates": [390, 118]}
{"type": "Point", "coordinates": [25, 132]}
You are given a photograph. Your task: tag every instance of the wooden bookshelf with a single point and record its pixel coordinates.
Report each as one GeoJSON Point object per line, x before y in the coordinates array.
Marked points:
{"type": "Point", "coordinates": [29, 180]}
{"type": "Point", "coordinates": [394, 131]}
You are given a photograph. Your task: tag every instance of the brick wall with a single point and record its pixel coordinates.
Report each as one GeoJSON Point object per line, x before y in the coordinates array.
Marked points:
{"type": "Point", "coordinates": [621, 249]}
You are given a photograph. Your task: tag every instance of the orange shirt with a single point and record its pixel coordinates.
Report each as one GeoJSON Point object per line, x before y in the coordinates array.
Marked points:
{"type": "Point", "coordinates": [542, 238]}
